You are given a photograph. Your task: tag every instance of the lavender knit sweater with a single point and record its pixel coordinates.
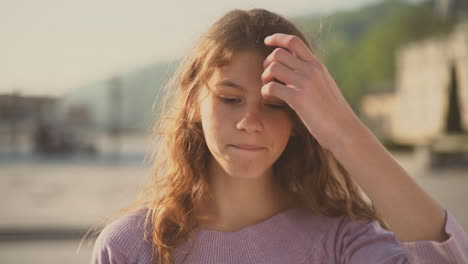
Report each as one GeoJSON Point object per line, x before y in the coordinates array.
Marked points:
{"type": "Point", "coordinates": [290, 236]}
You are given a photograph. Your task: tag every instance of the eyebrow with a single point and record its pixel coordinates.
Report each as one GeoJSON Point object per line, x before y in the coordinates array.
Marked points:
{"type": "Point", "coordinates": [231, 84]}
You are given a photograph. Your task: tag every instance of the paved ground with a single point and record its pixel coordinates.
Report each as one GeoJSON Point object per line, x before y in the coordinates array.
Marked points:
{"type": "Point", "coordinates": [37, 195]}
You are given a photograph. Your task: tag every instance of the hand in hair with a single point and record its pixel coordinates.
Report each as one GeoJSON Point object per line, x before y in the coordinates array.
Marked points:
{"type": "Point", "coordinates": [295, 75]}
{"type": "Point", "coordinates": [310, 90]}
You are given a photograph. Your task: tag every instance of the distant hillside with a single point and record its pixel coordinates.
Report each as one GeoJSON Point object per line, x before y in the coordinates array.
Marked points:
{"type": "Point", "coordinates": [139, 92]}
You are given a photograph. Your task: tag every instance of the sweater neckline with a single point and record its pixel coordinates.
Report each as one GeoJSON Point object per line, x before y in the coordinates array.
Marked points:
{"type": "Point", "coordinates": [246, 229]}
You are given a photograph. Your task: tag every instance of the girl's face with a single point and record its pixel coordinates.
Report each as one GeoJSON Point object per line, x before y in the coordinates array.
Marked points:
{"type": "Point", "coordinates": [236, 117]}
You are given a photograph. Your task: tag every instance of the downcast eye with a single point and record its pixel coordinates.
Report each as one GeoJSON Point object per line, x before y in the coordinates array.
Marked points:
{"type": "Point", "coordinates": [228, 100]}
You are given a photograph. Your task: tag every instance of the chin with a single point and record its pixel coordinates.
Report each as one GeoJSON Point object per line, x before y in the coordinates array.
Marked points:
{"type": "Point", "coordinates": [245, 172]}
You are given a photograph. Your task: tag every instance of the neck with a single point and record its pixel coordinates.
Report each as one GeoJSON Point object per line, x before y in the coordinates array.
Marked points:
{"type": "Point", "coordinates": [237, 202]}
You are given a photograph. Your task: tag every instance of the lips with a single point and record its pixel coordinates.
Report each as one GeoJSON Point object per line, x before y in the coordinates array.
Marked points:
{"type": "Point", "coordinates": [248, 147]}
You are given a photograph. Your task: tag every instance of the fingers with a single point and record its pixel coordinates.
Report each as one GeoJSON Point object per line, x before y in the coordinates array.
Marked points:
{"type": "Point", "coordinates": [293, 43]}
{"type": "Point", "coordinates": [280, 72]}
{"type": "Point", "coordinates": [284, 57]}
{"type": "Point", "coordinates": [274, 89]}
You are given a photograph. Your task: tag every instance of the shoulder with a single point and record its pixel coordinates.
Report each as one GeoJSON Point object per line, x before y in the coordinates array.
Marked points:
{"type": "Point", "coordinates": [356, 241]}
{"type": "Point", "coordinates": [321, 226]}
{"type": "Point", "coordinates": [342, 239]}
{"type": "Point", "coordinates": [347, 227]}
{"type": "Point", "coordinates": [125, 239]}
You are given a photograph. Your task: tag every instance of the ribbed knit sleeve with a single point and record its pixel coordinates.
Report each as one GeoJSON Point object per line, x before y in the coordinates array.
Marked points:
{"type": "Point", "coordinates": [123, 241]}
{"type": "Point", "coordinates": [104, 253]}
{"type": "Point", "coordinates": [364, 242]}
{"type": "Point", "coordinates": [453, 250]}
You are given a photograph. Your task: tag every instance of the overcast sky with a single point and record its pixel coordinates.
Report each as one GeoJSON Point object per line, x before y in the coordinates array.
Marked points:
{"type": "Point", "coordinates": [50, 46]}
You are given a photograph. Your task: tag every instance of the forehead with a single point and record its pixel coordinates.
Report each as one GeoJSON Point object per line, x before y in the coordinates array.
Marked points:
{"type": "Point", "coordinates": [245, 67]}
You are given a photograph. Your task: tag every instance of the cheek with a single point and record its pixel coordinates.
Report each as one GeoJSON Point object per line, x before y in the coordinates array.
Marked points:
{"type": "Point", "coordinates": [211, 126]}
{"type": "Point", "coordinates": [282, 125]}
{"type": "Point", "coordinates": [282, 131]}
{"type": "Point", "coordinates": [212, 122]}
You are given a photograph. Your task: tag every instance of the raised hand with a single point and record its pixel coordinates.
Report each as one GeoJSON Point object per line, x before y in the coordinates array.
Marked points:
{"type": "Point", "coordinates": [306, 85]}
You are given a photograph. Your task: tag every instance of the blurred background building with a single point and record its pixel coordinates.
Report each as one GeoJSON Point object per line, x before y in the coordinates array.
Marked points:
{"type": "Point", "coordinates": [429, 104]}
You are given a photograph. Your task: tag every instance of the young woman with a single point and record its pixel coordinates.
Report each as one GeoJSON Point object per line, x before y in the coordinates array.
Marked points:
{"type": "Point", "coordinates": [259, 161]}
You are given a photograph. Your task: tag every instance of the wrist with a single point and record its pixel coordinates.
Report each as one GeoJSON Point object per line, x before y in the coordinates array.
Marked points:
{"type": "Point", "coordinates": [353, 132]}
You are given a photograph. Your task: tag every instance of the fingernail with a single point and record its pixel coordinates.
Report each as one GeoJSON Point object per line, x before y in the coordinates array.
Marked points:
{"type": "Point", "coordinates": [267, 38]}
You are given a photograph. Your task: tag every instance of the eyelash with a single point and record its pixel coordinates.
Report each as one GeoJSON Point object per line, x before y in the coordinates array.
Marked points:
{"type": "Point", "coordinates": [234, 100]}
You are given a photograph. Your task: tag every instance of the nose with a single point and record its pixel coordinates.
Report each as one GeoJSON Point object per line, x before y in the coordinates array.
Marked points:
{"type": "Point", "coordinates": [251, 121]}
